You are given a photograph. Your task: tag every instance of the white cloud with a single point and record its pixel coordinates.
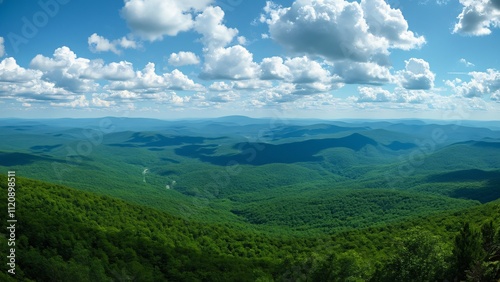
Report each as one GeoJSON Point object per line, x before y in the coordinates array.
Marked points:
{"type": "Point", "coordinates": [65, 70]}
{"type": "Point", "coordinates": [442, 2]}
{"type": "Point", "coordinates": [299, 70]}
{"type": "Point", "coordinates": [404, 95]}
{"type": "Point", "coordinates": [339, 30]}
{"type": "Point", "coordinates": [183, 59]}
{"type": "Point", "coordinates": [79, 102]}
{"type": "Point", "coordinates": [374, 94]}
{"type": "Point", "coordinates": [10, 71]}
{"type": "Point", "coordinates": [253, 84]}
{"type": "Point", "coordinates": [16, 81]}
{"type": "Point", "coordinates": [126, 43]}
{"type": "Point", "coordinates": [478, 17]}
{"type": "Point", "coordinates": [220, 86]}
{"type": "Point", "coordinates": [148, 81]}
{"type": "Point", "coordinates": [215, 33]}
{"type": "Point", "coordinates": [124, 95]}
{"type": "Point", "coordinates": [102, 103]}
{"type": "Point", "coordinates": [417, 75]}
{"type": "Point", "coordinates": [481, 83]}
{"type": "Point", "coordinates": [390, 24]}
{"type": "Point", "coordinates": [399, 95]}
{"type": "Point", "coordinates": [178, 100]}
{"type": "Point", "coordinates": [362, 73]}
{"type": "Point", "coordinates": [224, 97]}
{"type": "Point", "coordinates": [496, 97]}
{"type": "Point", "coordinates": [2, 47]}
{"type": "Point", "coordinates": [242, 40]}
{"type": "Point", "coordinates": [153, 19]}
{"type": "Point", "coordinates": [233, 63]}
{"type": "Point", "coordinates": [304, 70]}
{"type": "Point", "coordinates": [466, 63]}
{"type": "Point", "coordinates": [274, 68]}
{"type": "Point", "coordinates": [114, 71]}
{"type": "Point", "coordinates": [79, 75]}
{"type": "Point", "coordinates": [98, 43]}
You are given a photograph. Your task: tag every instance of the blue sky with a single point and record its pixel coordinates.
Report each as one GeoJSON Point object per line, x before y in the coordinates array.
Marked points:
{"type": "Point", "coordinates": [170, 59]}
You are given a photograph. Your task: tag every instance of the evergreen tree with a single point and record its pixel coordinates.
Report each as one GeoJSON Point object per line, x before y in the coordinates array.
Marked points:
{"type": "Point", "coordinates": [468, 251]}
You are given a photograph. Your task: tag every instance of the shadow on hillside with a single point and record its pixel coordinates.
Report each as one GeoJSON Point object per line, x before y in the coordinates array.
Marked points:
{"type": "Point", "coordinates": [170, 160]}
{"type": "Point", "coordinates": [301, 131]}
{"type": "Point", "coordinates": [263, 153]}
{"type": "Point", "coordinates": [489, 192]}
{"type": "Point", "coordinates": [483, 144]}
{"type": "Point", "coordinates": [44, 149]}
{"type": "Point", "coordinates": [14, 159]}
{"type": "Point", "coordinates": [398, 146]}
{"type": "Point", "coordinates": [158, 140]}
{"type": "Point", "coordinates": [465, 175]}
{"type": "Point", "coordinates": [486, 194]}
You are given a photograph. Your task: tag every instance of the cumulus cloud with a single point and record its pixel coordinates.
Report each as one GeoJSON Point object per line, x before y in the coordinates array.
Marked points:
{"type": "Point", "coordinates": [220, 86]}
{"type": "Point", "coordinates": [304, 70]}
{"type": "Point", "coordinates": [224, 97]}
{"type": "Point", "coordinates": [148, 81]}
{"type": "Point", "coordinates": [466, 63]}
{"type": "Point", "coordinates": [341, 30]}
{"type": "Point", "coordinates": [274, 68]}
{"type": "Point", "coordinates": [481, 83]}
{"type": "Point", "coordinates": [2, 47]}
{"type": "Point", "coordinates": [496, 97]}
{"type": "Point", "coordinates": [253, 84]}
{"type": "Point", "coordinates": [124, 95]}
{"type": "Point", "coordinates": [404, 95]}
{"type": "Point", "coordinates": [64, 69]}
{"type": "Point", "coordinates": [98, 44]}
{"type": "Point", "coordinates": [478, 17]}
{"type": "Point", "coordinates": [374, 94]}
{"type": "Point", "coordinates": [65, 79]}
{"type": "Point", "coordinates": [233, 63]}
{"type": "Point", "coordinates": [154, 19]}
{"type": "Point", "coordinates": [79, 75]}
{"type": "Point", "coordinates": [390, 24]}
{"type": "Point", "coordinates": [417, 75]}
{"type": "Point", "coordinates": [16, 81]}
{"type": "Point", "coordinates": [10, 71]}
{"type": "Point", "coordinates": [183, 59]}
{"type": "Point", "coordinates": [79, 102]}
{"type": "Point", "coordinates": [114, 71]}
{"type": "Point", "coordinates": [101, 102]}
{"type": "Point", "coordinates": [400, 95]}
{"type": "Point", "coordinates": [362, 73]}
{"type": "Point", "coordinates": [242, 40]}
{"type": "Point", "coordinates": [307, 75]}
{"type": "Point", "coordinates": [215, 33]}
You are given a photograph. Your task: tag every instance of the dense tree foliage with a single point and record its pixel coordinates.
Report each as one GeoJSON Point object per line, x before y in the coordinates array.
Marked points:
{"type": "Point", "coordinates": [69, 235]}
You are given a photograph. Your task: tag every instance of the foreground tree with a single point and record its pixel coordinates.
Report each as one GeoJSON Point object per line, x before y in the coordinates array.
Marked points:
{"type": "Point", "coordinates": [420, 256]}
{"type": "Point", "coordinates": [468, 253]}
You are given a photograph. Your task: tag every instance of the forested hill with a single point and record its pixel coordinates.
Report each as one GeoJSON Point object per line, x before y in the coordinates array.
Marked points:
{"type": "Point", "coordinates": [68, 235]}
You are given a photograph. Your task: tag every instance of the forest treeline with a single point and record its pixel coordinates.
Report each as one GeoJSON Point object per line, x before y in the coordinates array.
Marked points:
{"type": "Point", "coordinates": [68, 235]}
